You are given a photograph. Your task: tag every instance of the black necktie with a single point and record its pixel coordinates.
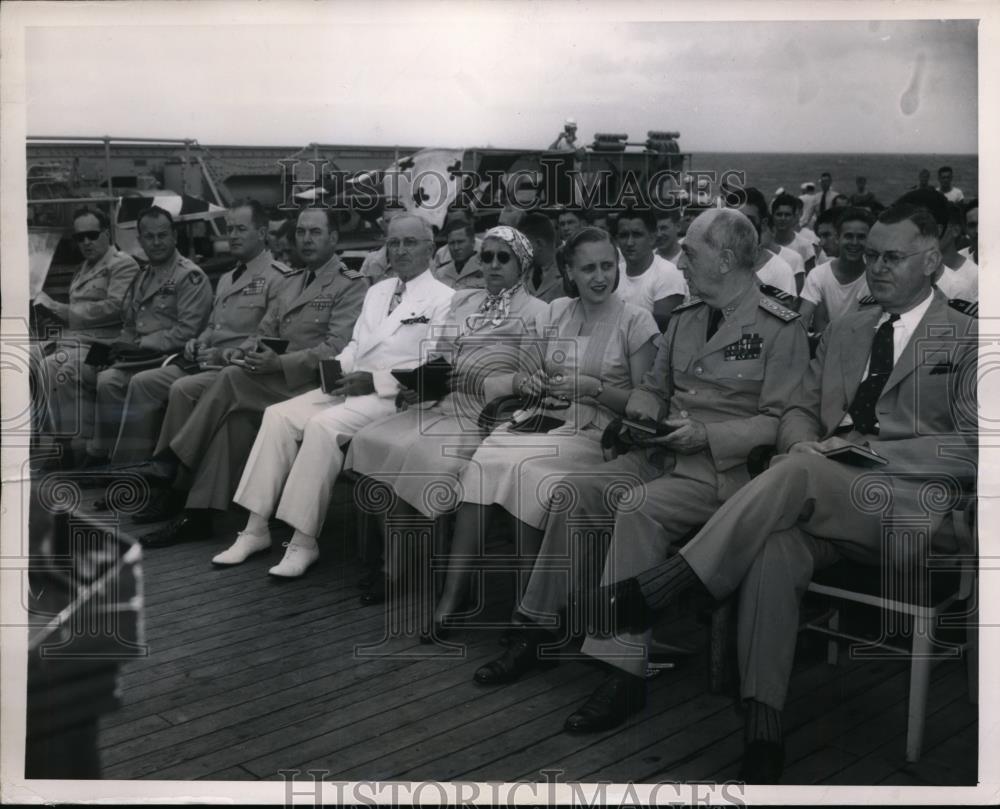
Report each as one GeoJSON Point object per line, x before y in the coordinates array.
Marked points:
{"type": "Point", "coordinates": [240, 269]}
{"type": "Point", "coordinates": [714, 319]}
{"type": "Point", "coordinates": [536, 278]}
{"type": "Point", "coordinates": [862, 409]}
{"type": "Point", "coordinates": [310, 277]}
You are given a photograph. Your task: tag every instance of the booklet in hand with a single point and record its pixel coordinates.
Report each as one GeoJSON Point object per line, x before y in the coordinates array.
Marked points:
{"type": "Point", "coordinates": [429, 380]}
{"type": "Point", "coordinates": [854, 455]}
{"type": "Point", "coordinates": [647, 429]}
{"type": "Point", "coordinates": [276, 344]}
{"type": "Point", "coordinates": [330, 373]}
{"type": "Point", "coordinates": [98, 355]}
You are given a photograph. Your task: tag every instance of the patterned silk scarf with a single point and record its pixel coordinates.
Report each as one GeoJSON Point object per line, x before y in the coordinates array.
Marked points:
{"type": "Point", "coordinates": [496, 307]}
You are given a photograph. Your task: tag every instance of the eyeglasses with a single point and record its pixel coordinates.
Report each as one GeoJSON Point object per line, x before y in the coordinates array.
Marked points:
{"type": "Point", "coordinates": [890, 258]}
{"type": "Point", "coordinates": [87, 235]}
{"type": "Point", "coordinates": [409, 243]}
{"type": "Point", "coordinates": [502, 256]}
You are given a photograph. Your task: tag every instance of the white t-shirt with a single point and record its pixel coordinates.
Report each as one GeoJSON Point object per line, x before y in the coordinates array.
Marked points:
{"type": "Point", "coordinates": [954, 194]}
{"type": "Point", "coordinates": [661, 279]}
{"type": "Point", "coordinates": [822, 287]}
{"type": "Point", "coordinates": [801, 245]}
{"type": "Point", "coordinates": [962, 283]}
{"type": "Point", "coordinates": [778, 273]}
{"type": "Point", "coordinates": [794, 260]}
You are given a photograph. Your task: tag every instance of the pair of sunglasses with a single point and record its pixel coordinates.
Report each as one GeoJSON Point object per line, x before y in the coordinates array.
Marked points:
{"type": "Point", "coordinates": [502, 256]}
{"type": "Point", "coordinates": [87, 235]}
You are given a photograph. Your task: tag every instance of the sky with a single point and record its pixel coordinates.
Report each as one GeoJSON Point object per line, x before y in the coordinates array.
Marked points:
{"type": "Point", "coordinates": [450, 79]}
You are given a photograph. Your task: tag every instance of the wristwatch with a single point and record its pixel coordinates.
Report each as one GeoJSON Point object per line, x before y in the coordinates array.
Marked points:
{"type": "Point", "coordinates": [600, 388]}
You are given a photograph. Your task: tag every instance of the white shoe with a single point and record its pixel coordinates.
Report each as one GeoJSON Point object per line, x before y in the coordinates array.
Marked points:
{"type": "Point", "coordinates": [245, 546]}
{"type": "Point", "coordinates": [296, 561]}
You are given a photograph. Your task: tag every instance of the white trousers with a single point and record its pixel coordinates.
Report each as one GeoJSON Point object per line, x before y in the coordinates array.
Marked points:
{"type": "Point", "coordinates": [299, 452]}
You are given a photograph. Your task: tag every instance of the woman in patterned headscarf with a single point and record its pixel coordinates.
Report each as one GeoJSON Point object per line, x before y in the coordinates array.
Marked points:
{"type": "Point", "coordinates": [593, 349]}
{"type": "Point", "coordinates": [421, 452]}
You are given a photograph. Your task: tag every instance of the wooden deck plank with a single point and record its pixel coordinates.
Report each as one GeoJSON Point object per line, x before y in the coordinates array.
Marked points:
{"type": "Point", "coordinates": [245, 678]}
{"type": "Point", "coordinates": [574, 752]}
{"type": "Point", "coordinates": [253, 728]}
{"type": "Point", "coordinates": [303, 662]}
{"type": "Point", "coordinates": [847, 750]}
{"type": "Point", "coordinates": [399, 730]}
{"type": "Point", "coordinates": [805, 707]}
{"type": "Point", "coordinates": [674, 751]}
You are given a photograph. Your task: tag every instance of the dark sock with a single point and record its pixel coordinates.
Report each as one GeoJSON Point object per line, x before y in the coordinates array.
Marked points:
{"type": "Point", "coordinates": [763, 723]}
{"type": "Point", "coordinates": [662, 584]}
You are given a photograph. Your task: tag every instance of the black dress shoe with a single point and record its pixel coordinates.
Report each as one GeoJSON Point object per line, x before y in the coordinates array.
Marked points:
{"type": "Point", "coordinates": [621, 607]}
{"type": "Point", "coordinates": [186, 528]}
{"type": "Point", "coordinates": [164, 505]}
{"type": "Point", "coordinates": [763, 762]}
{"type": "Point", "coordinates": [614, 701]}
{"type": "Point", "coordinates": [520, 657]}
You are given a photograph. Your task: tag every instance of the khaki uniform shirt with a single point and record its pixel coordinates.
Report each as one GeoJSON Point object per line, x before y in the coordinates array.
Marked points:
{"type": "Point", "coordinates": [737, 383]}
{"type": "Point", "coordinates": [240, 305]}
{"type": "Point", "coordinates": [166, 306]}
{"type": "Point", "coordinates": [96, 295]}
{"type": "Point", "coordinates": [317, 320]}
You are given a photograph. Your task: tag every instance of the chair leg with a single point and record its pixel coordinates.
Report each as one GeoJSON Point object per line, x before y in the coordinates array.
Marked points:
{"type": "Point", "coordinates": [920, 677]}
{"type": "Point", "coordinates": [719, 645]}
{"type": "Point", "coordinates": [833, 645]}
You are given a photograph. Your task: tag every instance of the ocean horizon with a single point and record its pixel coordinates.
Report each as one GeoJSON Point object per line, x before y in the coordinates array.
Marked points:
{"type": "Point", "coordinates": [889, 174]}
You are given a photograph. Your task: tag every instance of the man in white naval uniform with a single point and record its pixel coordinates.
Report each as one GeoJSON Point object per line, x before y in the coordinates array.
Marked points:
{"type": "Point", "coordinates": [294, 480]}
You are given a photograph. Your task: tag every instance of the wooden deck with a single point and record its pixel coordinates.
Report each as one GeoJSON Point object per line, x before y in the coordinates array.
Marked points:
{"type": "Point", "coordinates": [247, 676]}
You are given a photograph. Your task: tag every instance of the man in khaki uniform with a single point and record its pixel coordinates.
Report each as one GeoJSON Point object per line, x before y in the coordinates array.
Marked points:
{"type": "Point", "coordinates": [723, 373]}
{"type": "Point", "coordinates": [165, 307]}
{"type": "Point", "coordinates": [241, 299]}
{"type": "Point", "coordinates": [316, 314]}
{"type": "Point", "coordinates": [893, 378]}
{"type": "Point", "coordinates": [94, 313]}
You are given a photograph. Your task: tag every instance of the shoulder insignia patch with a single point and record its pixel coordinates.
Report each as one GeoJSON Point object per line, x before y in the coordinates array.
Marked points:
{"type": "Point", "coordinates": [970, 308]}
{"type": "Point", "coordinates": [867, 300]}
{"type": "Point", "coordinates": [776, 309]}
{"type": "Point", "coordinates": [777, 294]}
{"type": "Point", "coordinates": [688, 304]}
{"type": "Point", "coordinates": [354, 275]}
{"type": "Point", "coordinates": [196, 278]}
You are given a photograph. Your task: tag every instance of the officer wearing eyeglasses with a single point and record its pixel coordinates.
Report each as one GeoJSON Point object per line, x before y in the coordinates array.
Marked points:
{"type": "Point", "coordinates": [93, 313]}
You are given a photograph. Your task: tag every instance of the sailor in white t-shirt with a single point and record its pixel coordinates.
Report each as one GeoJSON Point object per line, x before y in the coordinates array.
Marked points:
{"type": "Point", "coordinates": [961, 282]}
{"type": "Point", "coordinates": [785, 218]}
{"type": "Point", "coordinates": [834, 288]}
{"type": "Point", "coordinates": [959, 276]}
{"type": "Point", "coordinates": [771, 267]}
{"type": "Point", "coordinates": [648, 281]}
